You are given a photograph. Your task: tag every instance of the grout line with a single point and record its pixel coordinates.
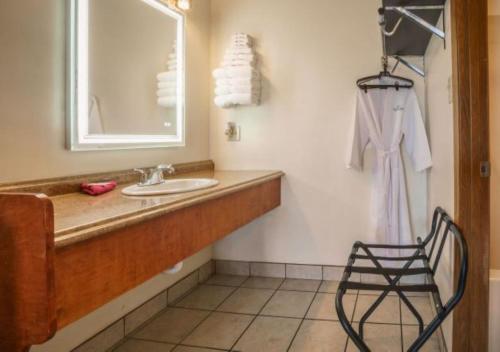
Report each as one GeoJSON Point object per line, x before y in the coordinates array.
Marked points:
{"type": "Point", "coordinates": [210, 314]}
{"type": "Point", "coordinates": [352, 319]}
{"type": "Point", "coordinates": [201, 347]}
{"type": "Point", "coordinates": [303, 318]}
{"type": "Point", "coordinates": [401, 325]}
{"type": "Point", "coordinates": [258, 314]}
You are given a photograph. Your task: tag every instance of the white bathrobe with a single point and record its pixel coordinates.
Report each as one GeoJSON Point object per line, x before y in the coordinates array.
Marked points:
{"type": "Point", "coordinates": [385, 118]}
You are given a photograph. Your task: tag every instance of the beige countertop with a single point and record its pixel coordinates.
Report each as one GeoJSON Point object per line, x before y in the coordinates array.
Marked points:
{"type": "Point", "coordinates": [79, 217]}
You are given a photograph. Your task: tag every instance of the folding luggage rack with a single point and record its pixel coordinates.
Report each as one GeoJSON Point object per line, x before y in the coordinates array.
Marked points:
{"type": "Point", "coordinates": [428, 267]}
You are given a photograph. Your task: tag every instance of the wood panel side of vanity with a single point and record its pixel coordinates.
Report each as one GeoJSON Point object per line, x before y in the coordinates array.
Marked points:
{"type": "Point", "coordinates": [27, 290]}
{"type": "Point", "coordinates": [93, 272]}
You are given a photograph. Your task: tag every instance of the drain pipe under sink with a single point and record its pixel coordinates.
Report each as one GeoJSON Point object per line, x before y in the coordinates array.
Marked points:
{"type": "Point", "coordinates": [175, 269]}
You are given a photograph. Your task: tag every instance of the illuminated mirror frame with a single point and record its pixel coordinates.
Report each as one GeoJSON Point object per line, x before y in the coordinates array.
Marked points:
{"type": "Point", "coordinates": [78, 87]}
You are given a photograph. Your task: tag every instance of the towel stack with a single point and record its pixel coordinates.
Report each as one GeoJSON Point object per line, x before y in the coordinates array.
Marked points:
{"type": "Point", "coordinates": [167, 82]}
{"type": "Point", "coordinates": [238, 80]}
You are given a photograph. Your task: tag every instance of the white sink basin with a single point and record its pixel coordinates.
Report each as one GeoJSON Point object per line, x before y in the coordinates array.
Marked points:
{"type": "Point", "coordinates": [171, 187]}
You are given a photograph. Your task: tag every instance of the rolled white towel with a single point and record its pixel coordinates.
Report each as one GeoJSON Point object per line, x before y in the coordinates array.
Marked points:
{"type": "Point", "coordinates": [172, 56]}
{"type": "Point", "coordinates": [223, 101]}
{"type": "Point", "coordinates": [172, 62]}
{"type": "Point", "coordinates": [221, 82]}
{"type": "Point", "coordinates": [236, 72]}
{"type": "Point", "coordinates": [244, 99]}
{"type": "Point", "coordinates": [245, 57]}
{"type": "Point", "coordinates": [166, 92]}
{"type": "Point", "coordinates": [239, 51]}
{"type": "Point", "coordinates": [231, 63]}
{"type": "Point", "coordinates": [167, 76]}
{"type": "Point", "coordinates": [167, 102]}
{"type": "Point", "coordinates": [224, 90]}
{"type": "Point", "coordinates": [172, 67]}
{"type": "Point", "coordinates": [167, 84]}
{"type": "Point", "coordinates": [239, 43]}
{"type": "Point", "coordinates": [241, 36]}
{"type": "Point", "coordinates": [228, 101]}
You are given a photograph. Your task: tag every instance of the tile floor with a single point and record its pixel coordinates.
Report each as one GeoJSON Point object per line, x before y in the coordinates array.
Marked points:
{"type": "Point", "coordinates": [252, 314]}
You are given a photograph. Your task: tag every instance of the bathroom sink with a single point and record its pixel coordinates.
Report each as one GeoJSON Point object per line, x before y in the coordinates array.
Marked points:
{"type": "Point", "coordinates": [171, 187]}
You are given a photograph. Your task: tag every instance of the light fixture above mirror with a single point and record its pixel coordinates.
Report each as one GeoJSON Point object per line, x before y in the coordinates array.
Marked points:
{"type": "Point", "coordinates": [183, 5]}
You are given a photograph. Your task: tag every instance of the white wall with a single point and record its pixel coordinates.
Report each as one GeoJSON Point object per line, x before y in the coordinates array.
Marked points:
{"type": "Point", "coordinates": [438, 62]}
{"type": "Point", "coordinates": [312, 53]}
{"type": "Point", "coordinates": [32, 126]}
{"type": "Point", "coordinates": [32, 96]}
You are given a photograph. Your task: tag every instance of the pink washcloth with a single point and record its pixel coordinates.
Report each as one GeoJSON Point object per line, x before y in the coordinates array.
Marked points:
{"type": "Point", "coordinates": [95, 189]}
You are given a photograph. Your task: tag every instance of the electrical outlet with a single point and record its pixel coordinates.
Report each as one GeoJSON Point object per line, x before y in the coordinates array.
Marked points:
{"type": "Point", "coordinates": [233, 132]}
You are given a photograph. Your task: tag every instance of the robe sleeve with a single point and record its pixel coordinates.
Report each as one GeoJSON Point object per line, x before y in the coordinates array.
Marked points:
{"type": "Point", "coordinates": [415, 136]}
{"type": "Point", "coordinates": [359, 137]}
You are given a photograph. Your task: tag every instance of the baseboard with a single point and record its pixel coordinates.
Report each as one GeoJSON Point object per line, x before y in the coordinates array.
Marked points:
{"type": "Point", "coordinates": [281, 270]}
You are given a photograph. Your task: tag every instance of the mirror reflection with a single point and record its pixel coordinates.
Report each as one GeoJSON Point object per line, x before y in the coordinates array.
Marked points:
{"type": "Point", "coordinates": [129, 71]}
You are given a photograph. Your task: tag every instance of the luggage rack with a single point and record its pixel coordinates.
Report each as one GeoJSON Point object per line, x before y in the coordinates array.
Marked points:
{"type": "Point", "coordinates": [429, 265]}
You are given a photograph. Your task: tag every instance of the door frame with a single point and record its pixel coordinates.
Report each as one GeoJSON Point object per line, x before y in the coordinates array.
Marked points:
{"type": "Point", "coordinates": [471, 135]}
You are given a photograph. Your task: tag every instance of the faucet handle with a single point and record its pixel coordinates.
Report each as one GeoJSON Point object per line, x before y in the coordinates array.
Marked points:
{"type": "Point", "coordinates": [168, 168]}
{"type": "Point", "coordinates": [144, 176]}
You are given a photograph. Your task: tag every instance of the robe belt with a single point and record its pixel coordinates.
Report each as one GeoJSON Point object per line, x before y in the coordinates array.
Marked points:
{"type": "Point", "coordinates": [385, 155]}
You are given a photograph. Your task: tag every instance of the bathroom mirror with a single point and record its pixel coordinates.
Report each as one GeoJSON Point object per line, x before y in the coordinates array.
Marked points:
{"type": "Point", "coordinates": [126, 75]}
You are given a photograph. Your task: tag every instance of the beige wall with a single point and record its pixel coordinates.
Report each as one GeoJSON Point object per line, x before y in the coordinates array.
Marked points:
{"type": "Point", "coordinates": [438, 63]}
{"type": "Point", "coordinates": [312, 53]}
{"type": "Point", "coordinates": [32, 126]}
{"type": "Point", "coordinates": [32, 96]}
{"type": "Point", "coordinates": [494, 48]}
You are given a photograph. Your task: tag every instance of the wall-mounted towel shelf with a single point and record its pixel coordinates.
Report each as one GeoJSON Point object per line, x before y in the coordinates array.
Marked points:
{"type": "Point", "coordinates": [408, 26]}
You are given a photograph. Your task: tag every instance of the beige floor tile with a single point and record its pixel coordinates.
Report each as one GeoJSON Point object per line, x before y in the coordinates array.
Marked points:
{"type": "Point", "coordinates": [319, 336]}
{"type": "Point", "coordinates": [300, 285]}
{"type": "Point", "coordinates": [206, 297]}
{"type": "Point", "coordinates": [268, 334]}
{"type": "Point", "coordinates": [144, 346]}
{"type": "Point", "coordinates": [290, 304]}
{"type": "Point", "coordinates": [380, 338]}
{"type": "Point", "coordinates": [263, 282]}
{"type": "Point", "coordinates": [172, 326]}
{"type": "Point", "coordinates": [329, 287]}
{"type": "Point", "coordinates": [387, 312]}
{"type": "Point", "coordinates": [246, 301]}
{"type": "Point", "coordinates": [422, 305]}
{"type": "Point", "coordinates": [323, 307]}
{"type": "Point", "coordinates": [219, 330]}
{"type": "Point", "coordinates": [375, 293]}
{"type": "Point", "coordinates": [194, 349]}
{"type": "Point", "coordinates": [226, 280]}
{"type": "Point", "coordinates": [410, 333]}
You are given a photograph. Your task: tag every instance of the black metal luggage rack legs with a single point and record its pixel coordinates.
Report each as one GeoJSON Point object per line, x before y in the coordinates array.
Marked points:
{"type": "Point", "coordinates": [427, 265]}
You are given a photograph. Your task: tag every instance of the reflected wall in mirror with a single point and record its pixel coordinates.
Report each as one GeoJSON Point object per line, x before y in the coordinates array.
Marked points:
{"type": "Point", "coordinates": [126, 75]}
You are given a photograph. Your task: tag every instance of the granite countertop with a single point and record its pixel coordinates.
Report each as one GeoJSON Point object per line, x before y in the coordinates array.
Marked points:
{"type": "Point", "coordinates": [79, 217]}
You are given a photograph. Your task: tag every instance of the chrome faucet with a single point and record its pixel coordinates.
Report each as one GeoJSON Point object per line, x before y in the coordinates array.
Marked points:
{"type": "Point", "coordinates": [154, 176]}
